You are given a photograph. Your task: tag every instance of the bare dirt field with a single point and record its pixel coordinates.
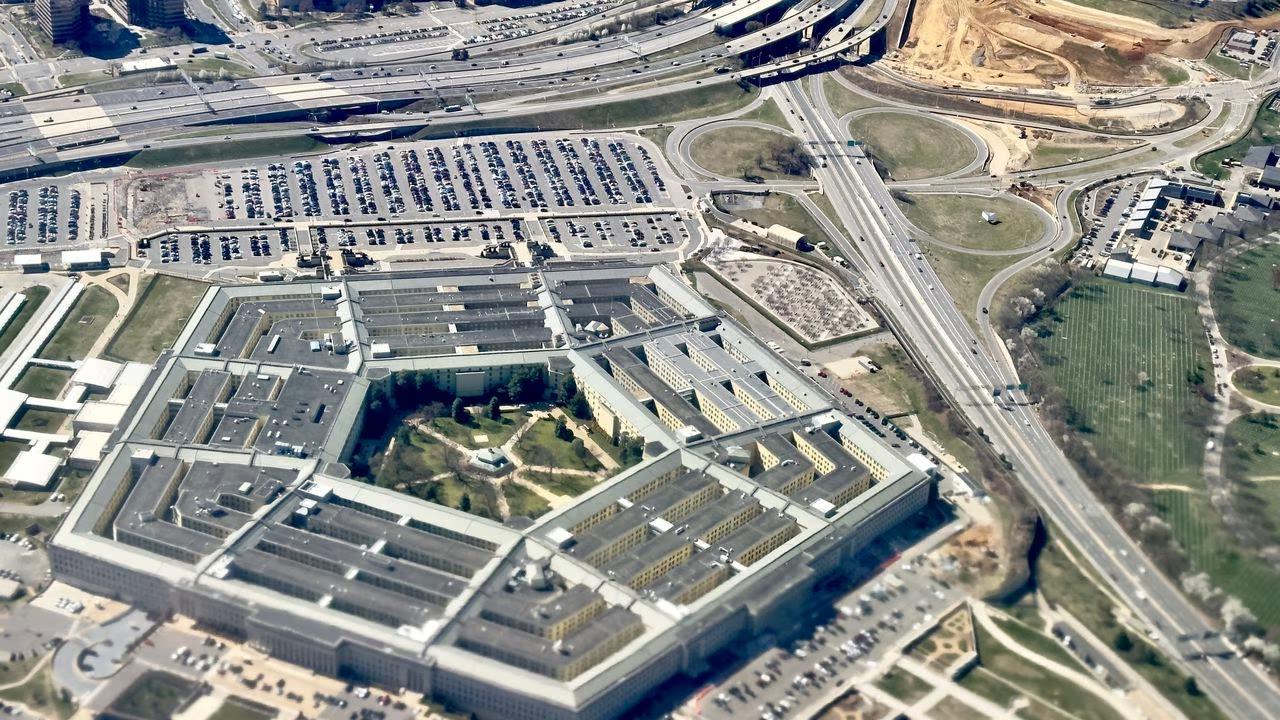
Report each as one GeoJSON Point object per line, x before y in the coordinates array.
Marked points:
{"type": "Point", "coordinates": [1017, 147]}
{"type": "Point", "coordinates": [1049, 44]}
{"type": "Point", "coordinates": [158, 202]}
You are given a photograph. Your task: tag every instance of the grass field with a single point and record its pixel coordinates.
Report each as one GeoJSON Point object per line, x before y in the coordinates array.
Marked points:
{"type": "Point", "coordinates": [44, 421]}
{"type": "Point", "coordinates": [768, 112]}
{"type": "Point", "coordinates": [82, 325]}
{"type": "Point", "coordinates": [1197, 527]}
{"type": "Point", "coordinates": [154, 696]}
{"type": "Point", "coordinates": [903, 685]}
{"type": "Point", "coordinates": [957, 219]}
{"type": "Point", "coordinates": [223, 150]}
{"type": "Point", "coordinates": [1163, 14]}
{"type": "Point", "coordinates": [540, 446]}
{"type": "Point", "coordinates": [842, 99]}
{"type": "Point", "coordinates": [912, 147]}
{"type": "Point", "coordinates": [497, 432]}
{"type": "Point", "coordinates": [163, 306]}
{"type": "Point", "coordinates": [1050, 154]}
{"type": "Point", "coordinates": [236, 708]}
{"type": "Point", "coordinates": [1244, 296]}
{"type": "Point", "coordinates": [1037, 642]}
{"type": "Point", "coordinates": [1259, 382]}
{"type": "Point", "coordinates": [41, 695]}
{"type": "Point", "coordinates": [9, 450]}
{"type": "Point", "coordinates": [42, 382]}
{"type": "Point", "coordinates": [700, 102]}
{"type": "Point", "coordinates": [740, 152]}
{"type": "Point", "coordinates": [35, 297]}
{"type": "Point", "coordinates": [965, 274]}
{"type": "Point", "coordinates": [523, 501]}
{"type": "Point", "coordinates": [1228, 67]}
{"type": "Point", "coordinates": [1030, 680]}
{"type": "Point", "coordinates": [1265, 130]}
{"type": "Point", "coordinates": [952, 708]}
{"type": "Point", "coordinates": [1123, 356]}
{"type": "Point", "coordinates": [785, 210]}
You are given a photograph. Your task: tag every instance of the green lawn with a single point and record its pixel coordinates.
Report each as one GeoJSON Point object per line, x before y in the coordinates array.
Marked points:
{"type": "Point", "coordinates": [35, 296]}
{"type": "Point", "coordinates": [1037, 642]}
{"type": "Point", "coordinates": [1264, 131]}
{"type": "Point", "coordinates": [42, 382]}
{"type": "Point", "coordinates": [957, 219]}
{"type": "Point", "coordinates": [1124, 357]}
{"type": "Point", "coordinates": [82, 325]}
{"type": "Point", "coordinates": [1227, 66]}
{"type": "Point", "coordinates": [497, 431]}
{"type": "Point", "coordinates": [154, 696]}
{"type": "Point", "coordinates": [523, 501]}
{"type": "Point", "coordinates": [42, 696]}
{"type": "Point", "coordinates": [238, 708]}
{"type": "Point", "coordinates": [708, 100]}
{"type": "Point", "coordinates": [768, 112]}
{"type": "Point", "coordinates": [842, 99]}
{"type": "Point", "coordinates": [953, 708]}
{"type": "Point", "coordinates": [980, 681]}
{"type": "Point", "coordinates": [1259, 382]}
{"type": "Point", "coordinates": [540, 446]}
{"type": "Point", "coordinates": [785, 210]}
{"type": "Point", "coordinates": [903, 685]}
{"type": "Point", "coordinates": [741, 152]}
{"type": "Point", "coordinates": [9, 450]}
{"type": "Point", "coordinates": [163, 307]}
{"type": "Point", "coordinates": [965, 274]}
{"type": "Point", "coordinates": [45, 421]}
{"type": "Point", "coordinates": [223, 150]}
{"type": "Point", "coordinates": [1244, 292]}
{"type": "Point", "coordinates": [1051, 154]}
{"type": "Point", "coordinates": [911, 147]}
{"type": "Point", "coordinates": [1054, 689]}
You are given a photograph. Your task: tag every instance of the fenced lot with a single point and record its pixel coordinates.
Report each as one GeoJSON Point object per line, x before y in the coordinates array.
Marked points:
{"type": "Point", "coordinates": [1244, 300]}
{"type": "Point", "coordinates": [1125, 357]}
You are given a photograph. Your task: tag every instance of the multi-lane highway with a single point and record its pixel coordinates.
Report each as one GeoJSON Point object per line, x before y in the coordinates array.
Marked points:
{"type": "Point", "coordinates": [912, 295]}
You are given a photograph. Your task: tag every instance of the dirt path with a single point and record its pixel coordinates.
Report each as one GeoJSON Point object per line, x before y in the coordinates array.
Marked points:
{"type": "Point", "coordinates": [124, 303]}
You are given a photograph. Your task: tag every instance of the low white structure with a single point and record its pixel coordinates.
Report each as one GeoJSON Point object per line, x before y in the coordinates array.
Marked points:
{"type": "Point", "coordinates": [97, 373]}
{"type": "Point", "coordinates": [1117, 269]}
{"type": "Point", "coordinates": [990, 217]}
{"type": "Point", "coordinates": [785, 235]}
{"type": "Point", "coordinates": [82, 259]}
{"type": "Point", "coordinates": [89, 449]}
{"type": "Point", "coordinates": [31, 470]}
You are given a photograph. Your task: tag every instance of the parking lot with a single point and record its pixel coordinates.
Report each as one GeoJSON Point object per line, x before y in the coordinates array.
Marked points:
{"type": "Point", "coordinates": [54, 214]}
{"type": "Point", "coordinates": [217, 249]}
{"type": "Point", "coordinates": [870, 624]}
{"type": "Point", "coordinates": [1108, 208]}
{"type": "Point", "coordinates": [475, 177]}
{"type": "Point", "coordinates": [653, 232]}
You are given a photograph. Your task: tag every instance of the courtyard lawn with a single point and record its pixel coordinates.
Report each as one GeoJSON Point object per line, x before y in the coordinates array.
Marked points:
{"type": "Point", "coordinates": [523, 501]}
{"type": "Point", "coordinates": [35, 296]}
{"type": "Point", "coordinates": [1245, 295]}
{"type": "Point", "coordinates": [903, 685]}
{"type": "Point", "coordinates": [957, 219]}
{"type": "Point", "coordinates": [540, 446]}
{"type": "Point", "coordinates": [497, 432]}
{"type": "Point", "coordinates": [82, 325]}
{"type": "Point", "coordinates": [1259, 382]}
{"type": "Point", "coordinates": [43, 382]}
{"type": "Point", "coordinates": [163, 307]}
{"type": "Point", "coordinates": [1124, 357]}
{"type": "Point", "coordinates": [911, 147]}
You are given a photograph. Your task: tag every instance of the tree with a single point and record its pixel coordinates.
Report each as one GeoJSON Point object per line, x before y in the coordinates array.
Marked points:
{"type": "Point", "coordinates": [465, 503]}
{"type": "Point", "coordinates": [789, 157]}
{"type": "Point", "coordinates": [579, 448]}
{"type": "Point", "coordinates": [1192, 688]}
{"type": "Point", "coordinates": [567, 390]}
{"type": "Point", "coordinates": [1123, 643]}
{"type": "Point", "coordinates": [562, 429]}
{"type": "Point", "coordinates": [459, 412]}
{"type": "Point", "coordinates": [579, 407]}
{"type": "Point", "coordinates": [631, 448]}
{"type": "Point", "coordinates": [494, 410]}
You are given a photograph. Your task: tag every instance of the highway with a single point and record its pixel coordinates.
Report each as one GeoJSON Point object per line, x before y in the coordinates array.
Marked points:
{"type": "Point", "coordinates": [913, 297]}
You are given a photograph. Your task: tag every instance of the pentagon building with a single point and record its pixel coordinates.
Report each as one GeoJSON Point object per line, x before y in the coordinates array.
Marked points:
{"type": "Point", "coordinates": [225, 496]}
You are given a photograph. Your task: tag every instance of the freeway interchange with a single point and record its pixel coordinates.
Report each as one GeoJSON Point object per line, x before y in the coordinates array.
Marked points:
{"type": "Point", "coordinates": [79, 125]}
